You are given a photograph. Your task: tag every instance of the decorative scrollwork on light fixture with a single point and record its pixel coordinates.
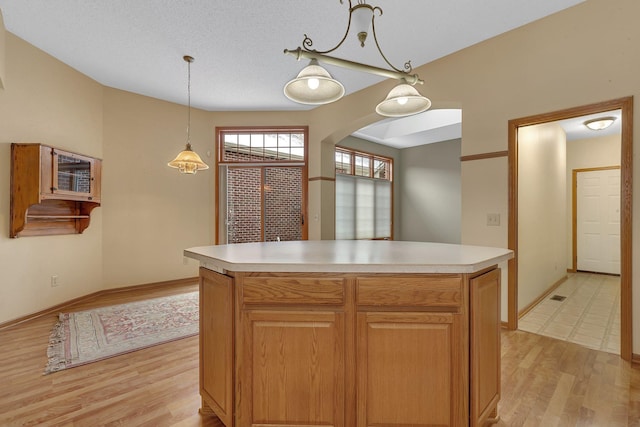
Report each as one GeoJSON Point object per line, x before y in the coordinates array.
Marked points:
{"type": "Point", "coordinates": [314, 84]}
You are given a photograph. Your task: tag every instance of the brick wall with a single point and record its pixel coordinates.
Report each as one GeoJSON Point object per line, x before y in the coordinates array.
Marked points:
{"type": "Point", "coordinates": [282, 202]}
{"type": "Point", "coordinates": [244, 203]}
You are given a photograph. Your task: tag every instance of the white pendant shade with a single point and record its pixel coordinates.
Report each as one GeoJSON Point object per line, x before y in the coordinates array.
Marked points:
{"type": "Point", "coordinates": [314, 85]}
{"type": "Point", "coordinates": [188, 161]}
{"type": "Point", "coordinates": [403, 100]}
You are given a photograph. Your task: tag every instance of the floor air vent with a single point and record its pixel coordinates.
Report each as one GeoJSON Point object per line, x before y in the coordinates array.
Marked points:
{"type": "Point", "coordinates": [558, 298]}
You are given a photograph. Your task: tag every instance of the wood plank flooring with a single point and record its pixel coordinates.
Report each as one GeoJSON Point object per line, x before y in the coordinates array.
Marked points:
{"type": "Point", "coordinates": [548, 382]}
{"type": "Point", "coordinates": [157, 386]}
{"type": "Point", "coordinates": [545, 382]}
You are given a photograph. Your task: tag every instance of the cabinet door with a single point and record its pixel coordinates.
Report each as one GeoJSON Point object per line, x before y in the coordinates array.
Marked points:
{"type": "Point", "coordinates": [216, 341]}
{"type": "Point", "coordinates": [292, 370]}
{"type": "Point", "coordinates": [74, 176]}
{"type": "Point", "coordinates": [408, 369]}
{"type": "Point", "coordinates": [485, 346]}
{"type": "Point", "coordinates": [46, 171]}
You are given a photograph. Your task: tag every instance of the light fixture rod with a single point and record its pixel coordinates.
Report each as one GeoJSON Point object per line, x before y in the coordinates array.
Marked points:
{"type": "Point", "coordinates": [188, 59]}
{"type": "Point", "coordinates": [300, 53]}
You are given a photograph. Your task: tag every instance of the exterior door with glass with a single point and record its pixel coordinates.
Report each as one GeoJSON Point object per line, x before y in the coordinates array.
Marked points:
{"type": "Point", "coordinates": [262, 175]}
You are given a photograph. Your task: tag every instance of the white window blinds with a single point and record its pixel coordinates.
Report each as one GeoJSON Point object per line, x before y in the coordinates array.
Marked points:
{"type": "Point", "coordinates": [363, 208]}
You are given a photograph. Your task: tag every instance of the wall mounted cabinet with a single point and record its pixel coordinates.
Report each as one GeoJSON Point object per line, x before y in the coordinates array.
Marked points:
{"type": "Point", "coordinates": [52, 191]}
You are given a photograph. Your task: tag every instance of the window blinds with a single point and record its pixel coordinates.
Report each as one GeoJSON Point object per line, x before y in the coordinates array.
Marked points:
{"type": "Point", "coordinates": [363, 208]}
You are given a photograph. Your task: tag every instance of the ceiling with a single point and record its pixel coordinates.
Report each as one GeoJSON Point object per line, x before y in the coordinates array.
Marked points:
{"type": "Point", "coordinates": [575, 128]}
{"type": "Point", "coordinates": [419, 129]}
{"type": "Point", "coordinates": [138, 45]}
{"type": "Point", "coordinates": [444, 125]}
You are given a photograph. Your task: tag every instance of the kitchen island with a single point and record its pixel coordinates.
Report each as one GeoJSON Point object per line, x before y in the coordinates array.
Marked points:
{"type": "Point", "coordinates": [350, 333]}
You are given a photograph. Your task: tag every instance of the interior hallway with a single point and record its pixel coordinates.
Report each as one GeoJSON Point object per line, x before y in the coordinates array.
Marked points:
{"type": "Point", "coordinates": [589, 315]}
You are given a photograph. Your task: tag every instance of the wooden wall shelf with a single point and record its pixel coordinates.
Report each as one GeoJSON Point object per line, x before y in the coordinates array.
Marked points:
{"type": "Point", "coordinates": [52, 191]}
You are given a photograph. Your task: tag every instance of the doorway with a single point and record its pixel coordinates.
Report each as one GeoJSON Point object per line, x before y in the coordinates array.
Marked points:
{"type": "Point", "coordinates": [261, 191]}
{"type": "Point", "coordinates": [626, 107]}
{"type": "Point", "coordinates": [264, 204]}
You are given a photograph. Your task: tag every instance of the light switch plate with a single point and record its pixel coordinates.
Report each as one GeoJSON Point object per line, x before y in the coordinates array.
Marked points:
{"type": "Point", "coordinates": [493, 219]}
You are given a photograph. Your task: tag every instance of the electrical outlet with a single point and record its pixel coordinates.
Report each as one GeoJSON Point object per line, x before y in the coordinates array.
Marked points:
{"type": "Point", "coordinates": [185, 260]}
{"type": "Point", "coordinates": [493, 219]}
{"type": "Point", "coordinates": [54, 280]}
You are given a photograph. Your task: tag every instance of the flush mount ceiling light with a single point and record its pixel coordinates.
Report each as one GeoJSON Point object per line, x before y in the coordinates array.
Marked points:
{"type": "Point", "coordinates": [314, 85]}
{"type": "Point", "coordinates": [188, 161]}
{"type": "Point", "coordinates": [600, 123]}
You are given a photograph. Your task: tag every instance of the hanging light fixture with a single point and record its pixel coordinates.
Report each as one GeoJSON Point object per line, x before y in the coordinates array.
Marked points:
{"type": "Point", "coordinates": [314, 85]}
{"type": "Point", "coordinates": [403, 100]}
{"type": "Point", "coordinates": [188, 160]}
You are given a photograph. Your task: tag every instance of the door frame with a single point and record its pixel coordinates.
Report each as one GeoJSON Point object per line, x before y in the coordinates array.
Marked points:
{"type": "Point", "coordinates": [626, 167]}
{"type": "Point", "coordinates": [574, 210]}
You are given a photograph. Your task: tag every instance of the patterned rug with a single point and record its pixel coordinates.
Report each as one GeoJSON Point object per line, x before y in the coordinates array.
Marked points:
{"type": "Point", "coordinates": [87, 336]}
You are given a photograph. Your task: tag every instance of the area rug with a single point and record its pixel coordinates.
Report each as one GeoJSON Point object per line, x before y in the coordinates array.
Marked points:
{"type": "Point", "coordinates": [87, 336]}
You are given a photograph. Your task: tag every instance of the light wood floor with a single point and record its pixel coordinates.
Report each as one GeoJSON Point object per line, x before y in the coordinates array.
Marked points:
{"type": "Point", "coordinates": [545, 382]}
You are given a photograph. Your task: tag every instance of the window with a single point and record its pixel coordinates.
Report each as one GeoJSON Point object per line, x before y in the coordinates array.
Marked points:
{"type": "Point", "coordinates": [261, 184]}
{"type": "Point", "coordinates": [364, 195]}
{"type": "Point", "coordinates": [262, 146]}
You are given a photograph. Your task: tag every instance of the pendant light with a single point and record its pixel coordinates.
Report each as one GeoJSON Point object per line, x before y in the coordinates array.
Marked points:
{"type": "Point", "coordinates": [403, 100]}
{"type": "Point", "coordinates": [314, 85]}
{"type": "Point", "coordinates": [188, 161]}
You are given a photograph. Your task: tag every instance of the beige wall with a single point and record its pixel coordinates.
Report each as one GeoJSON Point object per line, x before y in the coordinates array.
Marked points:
{"type": "Point", "coordinates": [152, 212]}
{"type": "Point", "coordinates": [3, 48]}
{"type": "Point", "coordinates": [587, 153]}
{"type": "Point", "coordinates": [545, 66]}
{"type": "Point", "coordinates": [542, 210]}
{"type": "Point", "coordinates": [45, 101]}
{"type": "Point", "coordinates": [431, 193]}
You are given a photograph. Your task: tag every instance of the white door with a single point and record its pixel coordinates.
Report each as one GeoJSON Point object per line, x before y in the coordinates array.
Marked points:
{"type": "Point", "coordinates": [598, 221]}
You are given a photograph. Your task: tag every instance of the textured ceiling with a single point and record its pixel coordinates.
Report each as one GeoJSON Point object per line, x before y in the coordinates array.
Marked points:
{"type": "Point", "coordinates": [138, 45]}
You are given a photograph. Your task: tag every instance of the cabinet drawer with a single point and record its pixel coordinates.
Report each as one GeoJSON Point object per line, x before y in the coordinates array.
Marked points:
{"type": "Point", "coordinates": [293, 291]}
{"type": "Point", "coordinates": [409, 291]}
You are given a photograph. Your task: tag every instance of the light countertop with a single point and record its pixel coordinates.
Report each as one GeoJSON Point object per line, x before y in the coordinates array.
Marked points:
{"type": "Point", "coordinates": [348, 256]}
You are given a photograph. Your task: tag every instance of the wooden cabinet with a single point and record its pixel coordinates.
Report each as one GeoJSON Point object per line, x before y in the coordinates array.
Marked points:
{"type": "Point", "coordinates": [350, 349]}
{"type": "Point", "coordinates": [411, 350]}
{"type": "Point", "coordinates": [485, 346]}
{"type": "Point", "coordinates": [291, 370]}
{"type": "Point", "coordinates": [52, 191]}
{"type": "Point", "coordinates": [409, 369]}
{"type": "Point", "coordinates": [216, 346]}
